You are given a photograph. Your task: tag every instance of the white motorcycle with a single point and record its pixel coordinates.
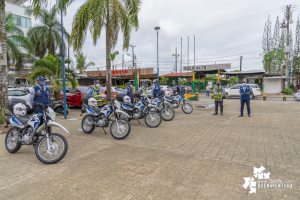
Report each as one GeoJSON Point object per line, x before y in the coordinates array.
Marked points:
{"type": "Point", "coordinates": [187, 107]}
{"type": "Point", "coordinates": [49, 147]}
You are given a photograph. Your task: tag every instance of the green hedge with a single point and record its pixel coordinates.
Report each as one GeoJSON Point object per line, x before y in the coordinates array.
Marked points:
{"type": "Point", "coordinates": [287, 91]}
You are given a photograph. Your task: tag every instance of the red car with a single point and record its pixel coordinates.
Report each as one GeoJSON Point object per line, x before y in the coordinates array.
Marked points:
{"type": "Point", "coordinates": [73, 96]}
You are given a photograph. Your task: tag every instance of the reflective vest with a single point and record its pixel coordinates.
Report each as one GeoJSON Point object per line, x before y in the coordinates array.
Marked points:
{"type": "Point", "coordinates": [144, 89]}
{"type": "Point", "coordinates": [245, 94]}
{"type": "Point", "coordinates": [97, 95]}
{"type": "Point", "coordinates": [218, 93]}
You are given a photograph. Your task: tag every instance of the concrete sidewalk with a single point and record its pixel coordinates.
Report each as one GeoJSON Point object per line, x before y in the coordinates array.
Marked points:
{"type": "Point", "coordinates": [195, 156]}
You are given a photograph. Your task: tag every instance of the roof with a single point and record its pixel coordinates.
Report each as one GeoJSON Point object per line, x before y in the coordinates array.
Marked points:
{"type": "Point", "coordinates": [274, 77]}
{"type": "Point", "coordinates": [244, 72]}
{"type": "Point", "coordinates": [186, 74]}
{"type": "Point", "coordinates": [18, 2]}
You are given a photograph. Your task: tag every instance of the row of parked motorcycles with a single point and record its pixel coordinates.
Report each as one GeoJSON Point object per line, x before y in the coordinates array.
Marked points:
{"type": "Point", "coordinates": [121, 111]}
{"type": "Point", "coordinates": [51, 147]}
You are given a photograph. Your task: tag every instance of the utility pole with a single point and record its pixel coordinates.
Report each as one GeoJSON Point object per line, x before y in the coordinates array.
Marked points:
{"type": "Point", "coordinates": [181, 61]}
{"type": "Point", "coordinates": [123, 61]}
{"type": "Point", "coordinates": [287, 18]}
{"type": "Point", "coordinates": [133, 56]}
{"type": "Point", "coordinates": [188, 52]}
{"type": "Point", "coordinates": [176, 55]}
{"type": "Point", "coordinates": [241, 63]}
{"type": "Point", "coordinates": [194, 64]}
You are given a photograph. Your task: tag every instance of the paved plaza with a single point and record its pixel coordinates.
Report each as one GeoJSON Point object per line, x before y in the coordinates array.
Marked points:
{"type": "Point", "coordinates": [196, 156]}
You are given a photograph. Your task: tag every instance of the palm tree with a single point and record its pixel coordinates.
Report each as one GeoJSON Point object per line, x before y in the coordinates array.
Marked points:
{"type": "Point", "coordinates": [47, 36]}
{"type": "Point", "coordinates": [3, 62]}
{"type": "Point", "coordinates": [81, 63]}
{"type": "Point", "coordinates": [14, 39]}
{"type": "Point", "coordinates": [112, 15]}
{"type": "Point", "coordinates": [51, 66]}
{"type": "Point", "coordinates": [112, 57]}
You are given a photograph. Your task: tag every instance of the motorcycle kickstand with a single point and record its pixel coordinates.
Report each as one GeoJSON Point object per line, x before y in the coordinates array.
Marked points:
{"type": "Point", "coordinates": [104, 130]}
{"type": "Point", "coordinates": [138, 121]}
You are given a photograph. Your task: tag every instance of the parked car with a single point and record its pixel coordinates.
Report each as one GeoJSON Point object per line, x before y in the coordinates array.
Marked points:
{"type": "Point", "coordinates": [233, 91]}
{"type": "Point", "coordinates": [114, 89]}
{"type": "Point", "coordinates": [187, 88]}
{"type": "Point", "coordinates": [73, 96]}
{"type": "Point", "coordinates": [21, 94]}
{"type": "Point", "coordinates": [168, 90]}
{"type": "Point", "coordinates": [297, 96]}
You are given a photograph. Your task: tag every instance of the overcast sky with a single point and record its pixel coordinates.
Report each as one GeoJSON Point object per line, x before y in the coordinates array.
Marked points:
{"type": "Point", "coordinates": [224, 31]}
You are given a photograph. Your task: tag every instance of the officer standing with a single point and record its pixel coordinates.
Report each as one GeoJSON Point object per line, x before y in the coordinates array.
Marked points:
{"type": "Point", "coordinates": [44, 93]}
{"type": "Point", "coordinates": [178, 88]}
{"type": "Point", "coordinates": [96, 92]}
{"type": "Point", "coordinates": [245, 91]}
{"type": "Point", "coordinates": [143, 89]}
{"type": "Point", "coordinates": [156, 89]}
{"type": "Point", "coordinates": [129, 91]}
{"type": "Point", "coordinates": [219, 92]}
{"type": "Point", "coordinates": [182, 90]}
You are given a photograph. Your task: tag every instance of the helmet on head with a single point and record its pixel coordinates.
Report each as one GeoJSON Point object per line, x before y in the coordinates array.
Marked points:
{"type": "Point", "coordinates": [156, 81]}
{"type": "Point", "coordinates": [96, 81]}
{"type": "Point", "coordinates": [20, 109]}
{"type": "Point", "coordinates": [129, 83]}
{"type": "Point", "coordinates": [92, 102]}
{"type": "Point", "coordinates": [126, 99]}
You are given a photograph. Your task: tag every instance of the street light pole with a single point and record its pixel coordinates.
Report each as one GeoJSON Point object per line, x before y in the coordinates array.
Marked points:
{"type": "Point", "coordinates": [63, 62]}
{"type": "Point", "coordinates": [157, 29]}
{"type": "Point", "coordinates": [176, 55]}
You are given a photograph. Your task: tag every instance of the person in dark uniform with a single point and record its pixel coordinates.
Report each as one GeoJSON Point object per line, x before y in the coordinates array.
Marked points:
{"type": "Point", "coordinates": [245, 91]}
{"type": "Point", "coordinates": [178, 88]}
{"type": "Point", "coordinates": [129, 91]}
{"type": "Point", "coordinates": [44, 93]}
{"type": "Point", "coordinates": [156, 89]}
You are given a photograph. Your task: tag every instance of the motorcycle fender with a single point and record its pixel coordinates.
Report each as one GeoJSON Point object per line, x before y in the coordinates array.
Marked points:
{"type": "Point", "coordinates": [153, 106]}
{"type": "Point", "coordinates": [124, 113]}
{"type": "Point", "coordinates": [187, 99]}
{"type": "Point", "coordinates": [52, 123]}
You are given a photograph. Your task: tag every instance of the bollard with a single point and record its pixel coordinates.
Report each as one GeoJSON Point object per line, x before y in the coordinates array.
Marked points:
{"type": "Point", "coordinates": [212, 96]}
{"type": "Point", "coordinates": [228, 97]}
{"type": "Point", "coordinates": [284, 98]}
{"type": "Point", "coordinates": [265, 97]}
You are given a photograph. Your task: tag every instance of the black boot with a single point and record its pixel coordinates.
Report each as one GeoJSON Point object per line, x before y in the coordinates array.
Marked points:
{"type": "Point", "coordinates": [216, 111]}
{"type": "Point", "coordinates": [222, 111]}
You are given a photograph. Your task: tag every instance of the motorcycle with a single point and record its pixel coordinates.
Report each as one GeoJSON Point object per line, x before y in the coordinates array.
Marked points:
{"type": "Point", "coordinates": [58, 106]}
{"type": "Point", "coordinates": [167, 112]}
{"type": "Point", "coordinates": [100, 117]}
{"type": "Point", "coordinates": [187, 107]}
{"type": "Point", "coordinates": [49, 147]}
{"type": "Point", "coordinates": [142, 109]}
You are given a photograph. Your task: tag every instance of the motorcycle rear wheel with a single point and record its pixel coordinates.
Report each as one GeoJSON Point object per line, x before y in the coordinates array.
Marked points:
{"type": "Point", "coordinates": [12, 146]}
{"type": "Point", "coordinates": [59, 148]}
{"type": "Point", "coordinates": [91, 124]}
{"type": "Point", "coordinates": [187, 108]}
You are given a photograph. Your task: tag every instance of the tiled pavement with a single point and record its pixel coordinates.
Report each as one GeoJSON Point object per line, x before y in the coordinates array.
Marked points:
{"type": "Point", "coordinates": [196, 156]}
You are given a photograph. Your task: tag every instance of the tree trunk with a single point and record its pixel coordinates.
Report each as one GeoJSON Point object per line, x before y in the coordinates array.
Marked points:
{"type": "Point", "coordinates": [3, 58]}
{"type": "Point", "coordinates": [108, 56]}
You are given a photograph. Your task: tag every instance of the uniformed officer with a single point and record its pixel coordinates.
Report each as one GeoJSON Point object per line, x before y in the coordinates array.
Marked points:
{"type": "Point", "coordinates": [44, 93]}
{"type": "Point", "coordinates": [182, 91]}
{"type": "Point", "coordinates": [156, 89]}
{"type": "Point", "coordinates": [245, 91]}
{"type": "Point", "coordinates": [143, 89]}
{"type": "Point", "coordinates": [96, 92]}
{"type": "Point", "coordinates": [219, 92]}
{"type": "Point", "coordinates": [129, 91]}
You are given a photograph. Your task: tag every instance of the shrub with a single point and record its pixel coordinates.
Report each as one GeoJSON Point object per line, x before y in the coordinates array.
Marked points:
{"type": "Point", "coordinates": [122, 86]}
{"type": "Point", "coordinates": [2, 118]}
{"type": "Point", "coordinates": [287, 91]}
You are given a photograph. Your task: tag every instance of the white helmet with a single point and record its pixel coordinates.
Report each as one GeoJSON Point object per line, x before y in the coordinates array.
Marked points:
{"type": "Point", "coordinates": [92, 102]}
{"type": "Point", "coordinates": [20, 109]}
{"type": "Point", "coordinates": [126, 99]}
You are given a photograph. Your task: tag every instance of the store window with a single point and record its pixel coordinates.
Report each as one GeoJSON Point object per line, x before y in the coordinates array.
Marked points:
{"type": "Point", "coordinates": [22, 21]}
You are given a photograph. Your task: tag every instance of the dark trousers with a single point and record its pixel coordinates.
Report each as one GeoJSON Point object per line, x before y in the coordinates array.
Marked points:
{"type": "Point", "coordinates": [243, 101]}
{"type": "Point", "coordinates": [207, 92]}
{"type": "Point", "coordinates": [217, 103]}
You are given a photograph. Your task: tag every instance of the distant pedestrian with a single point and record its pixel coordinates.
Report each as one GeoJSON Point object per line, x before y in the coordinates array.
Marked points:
{"type": "Point", "coordinates": [207, 90]}
{"type": "Point", "coordinates": [182, 90]}
{"type": "Point", "coordinates": [219, 92]}
{"type": "Point", "coordinates": [178, 88]}
{"type": "Point", "coordinates": [245, 91]}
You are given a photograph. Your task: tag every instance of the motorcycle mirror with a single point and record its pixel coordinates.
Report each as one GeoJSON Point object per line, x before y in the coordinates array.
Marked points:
{"type": "Point", "coordinates": [37, 94]}
{"type": "Point", "coordinates": [106, 92]}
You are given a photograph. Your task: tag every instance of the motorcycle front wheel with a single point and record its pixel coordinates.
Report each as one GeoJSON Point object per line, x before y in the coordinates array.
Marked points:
{"type": "Point", "coordinates": [167, 114]}
{"type": "Point", "coordinates": [55, 152]}
{"type": "Point", "coordinates": [153, 119]}
{"type": "Point", "coordinates": [87, 124]}
{"type": "Point", "coordinates": [120, 129]}
{"type": "Point", "coordinates": [187, 108]}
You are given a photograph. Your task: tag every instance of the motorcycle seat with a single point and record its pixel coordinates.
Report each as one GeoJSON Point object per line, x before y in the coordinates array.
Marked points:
{"type": "Point", "coordinates": [96, 109]}
{"type": "Point", "coordinates": [129, 104]}
{"type": "Point", "coordinates": [23, 119]}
